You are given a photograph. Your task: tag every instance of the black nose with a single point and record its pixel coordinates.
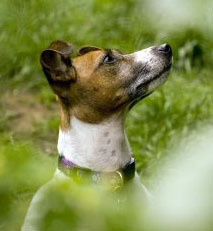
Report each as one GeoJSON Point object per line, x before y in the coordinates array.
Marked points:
{"type": "Point", "coordinates": [165, 48]}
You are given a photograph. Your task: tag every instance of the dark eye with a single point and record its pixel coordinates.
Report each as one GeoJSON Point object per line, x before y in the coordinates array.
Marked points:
{"type": "Point", "coordinates": [109, 59]}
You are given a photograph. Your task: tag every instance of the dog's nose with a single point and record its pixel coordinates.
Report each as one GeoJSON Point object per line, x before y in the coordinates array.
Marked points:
{"type": "Point", "coordinates": [165, 48]}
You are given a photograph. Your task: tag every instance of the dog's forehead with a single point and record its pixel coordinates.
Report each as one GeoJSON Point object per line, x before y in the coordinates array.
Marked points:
{"type": "Point", "coordinates": [89, 56]}
{"type": "Point", "coordinates": [92, 54]}
{"type": "Point", "coordinates": [89, 59]}
{"type": "Point", "coordinates": [88, 62]}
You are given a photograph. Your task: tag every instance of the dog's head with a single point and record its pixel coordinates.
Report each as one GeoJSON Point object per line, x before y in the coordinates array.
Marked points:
{"type": "Point", "coordinates": [99, 82]}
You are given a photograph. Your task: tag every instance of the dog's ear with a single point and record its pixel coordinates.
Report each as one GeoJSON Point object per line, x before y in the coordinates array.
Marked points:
{"type": "Point", "coordinates": [56, 62]}
{"type": "Point", "coordinates": [87, 49]}
{"type": "Point", "coordinates": [57, 66]}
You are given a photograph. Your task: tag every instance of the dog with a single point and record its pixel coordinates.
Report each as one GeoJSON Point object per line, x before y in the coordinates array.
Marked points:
{"type": "Point", "coordinates": [95, 90]}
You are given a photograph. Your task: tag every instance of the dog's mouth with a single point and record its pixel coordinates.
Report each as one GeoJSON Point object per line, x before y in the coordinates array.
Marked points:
{"type": "Point", "coordinates": [159, 75]}
{"type": "Point", "coordinates": [143, 90]}
{"type": "Point", "coordinates": [138, 99]}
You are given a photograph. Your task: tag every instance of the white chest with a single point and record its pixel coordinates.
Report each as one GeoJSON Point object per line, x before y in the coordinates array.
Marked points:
{"type": "Point", "coordinates": [100, 147]}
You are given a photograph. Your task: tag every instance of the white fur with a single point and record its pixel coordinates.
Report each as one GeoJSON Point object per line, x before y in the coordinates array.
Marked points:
{"type": "Point", "coordinates": [100, 147]}
{"type": "Point", "coordinates": [150, 59]}
{"type": "Point", "coordinates": [143, 55]}
{"type": "Point", "coordinates": [157, 82]}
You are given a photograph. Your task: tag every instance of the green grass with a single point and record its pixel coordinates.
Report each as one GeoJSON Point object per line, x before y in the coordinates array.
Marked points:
{"type": "Point", "coordinates": [179, 108]}
{"type": "Point", "coordinates": [154, 126]}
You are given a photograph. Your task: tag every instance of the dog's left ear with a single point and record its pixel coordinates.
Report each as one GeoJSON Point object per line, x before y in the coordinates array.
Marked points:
{"type": "Point", "coordinates": [56, 62]}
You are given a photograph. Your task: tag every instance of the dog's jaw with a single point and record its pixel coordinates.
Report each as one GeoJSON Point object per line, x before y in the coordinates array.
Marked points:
{"type": "Point", "coordinates": [99, 147]}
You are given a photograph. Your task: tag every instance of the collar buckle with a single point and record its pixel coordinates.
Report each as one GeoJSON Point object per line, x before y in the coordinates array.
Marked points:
{"type": "Point", "coordinates": [113, 181]}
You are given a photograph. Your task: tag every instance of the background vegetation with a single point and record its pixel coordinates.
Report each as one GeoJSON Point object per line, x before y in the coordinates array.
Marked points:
{"type": "Point", "coordinates": [28, 112]}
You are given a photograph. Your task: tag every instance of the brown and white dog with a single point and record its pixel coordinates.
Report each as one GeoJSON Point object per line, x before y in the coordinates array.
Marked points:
{"type": "Point", "coordinates": [95, 90]}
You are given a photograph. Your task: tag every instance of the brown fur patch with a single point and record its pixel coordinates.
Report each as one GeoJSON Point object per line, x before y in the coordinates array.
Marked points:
{"type": "Point", "coordinates": [99, 88]}
{"type": "Point", "coordinates": [65, 114]}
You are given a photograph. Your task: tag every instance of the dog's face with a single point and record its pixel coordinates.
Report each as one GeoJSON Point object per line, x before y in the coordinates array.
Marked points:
{"type": "Point", "coordinates": [100, 82]}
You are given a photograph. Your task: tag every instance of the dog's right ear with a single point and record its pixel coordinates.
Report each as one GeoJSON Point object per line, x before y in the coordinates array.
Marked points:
{"type": "Point", "coordinates": [57, 64]}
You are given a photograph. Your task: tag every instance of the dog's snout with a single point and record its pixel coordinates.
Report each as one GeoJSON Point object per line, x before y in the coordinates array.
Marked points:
{"type": "Point", "coordinates": [165, 48]}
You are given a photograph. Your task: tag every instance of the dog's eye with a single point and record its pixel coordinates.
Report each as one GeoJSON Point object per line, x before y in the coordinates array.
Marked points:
{"type": "Point", "coordinates": [109, 59]}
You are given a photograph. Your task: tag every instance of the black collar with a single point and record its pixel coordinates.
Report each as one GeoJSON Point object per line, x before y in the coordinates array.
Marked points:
{"type": "Point", "coordinates": [114, 180]}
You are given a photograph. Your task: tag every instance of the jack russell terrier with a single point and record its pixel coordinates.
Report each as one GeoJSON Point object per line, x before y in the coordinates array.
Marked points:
{"type": "Point", "coordinates": [95, 90]}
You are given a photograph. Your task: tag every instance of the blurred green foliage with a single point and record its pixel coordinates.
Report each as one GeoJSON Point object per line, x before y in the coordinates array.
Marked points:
{"type": "Point", "coordinates": [27, 27]}
{"type": "Point", "coordinates": [160, 121]}
{"type": "Point", "coordinates": [19, 178]}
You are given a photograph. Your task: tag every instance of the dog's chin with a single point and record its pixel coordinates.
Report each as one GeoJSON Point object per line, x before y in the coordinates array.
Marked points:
{"type": "Point", "coordinates": [157, 81]}
{"type": "Point", "coordinates": [145, 89]}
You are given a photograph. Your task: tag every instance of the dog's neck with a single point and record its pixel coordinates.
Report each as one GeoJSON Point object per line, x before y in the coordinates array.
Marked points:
{"type": "Point", "coordinates": [99, 147]}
